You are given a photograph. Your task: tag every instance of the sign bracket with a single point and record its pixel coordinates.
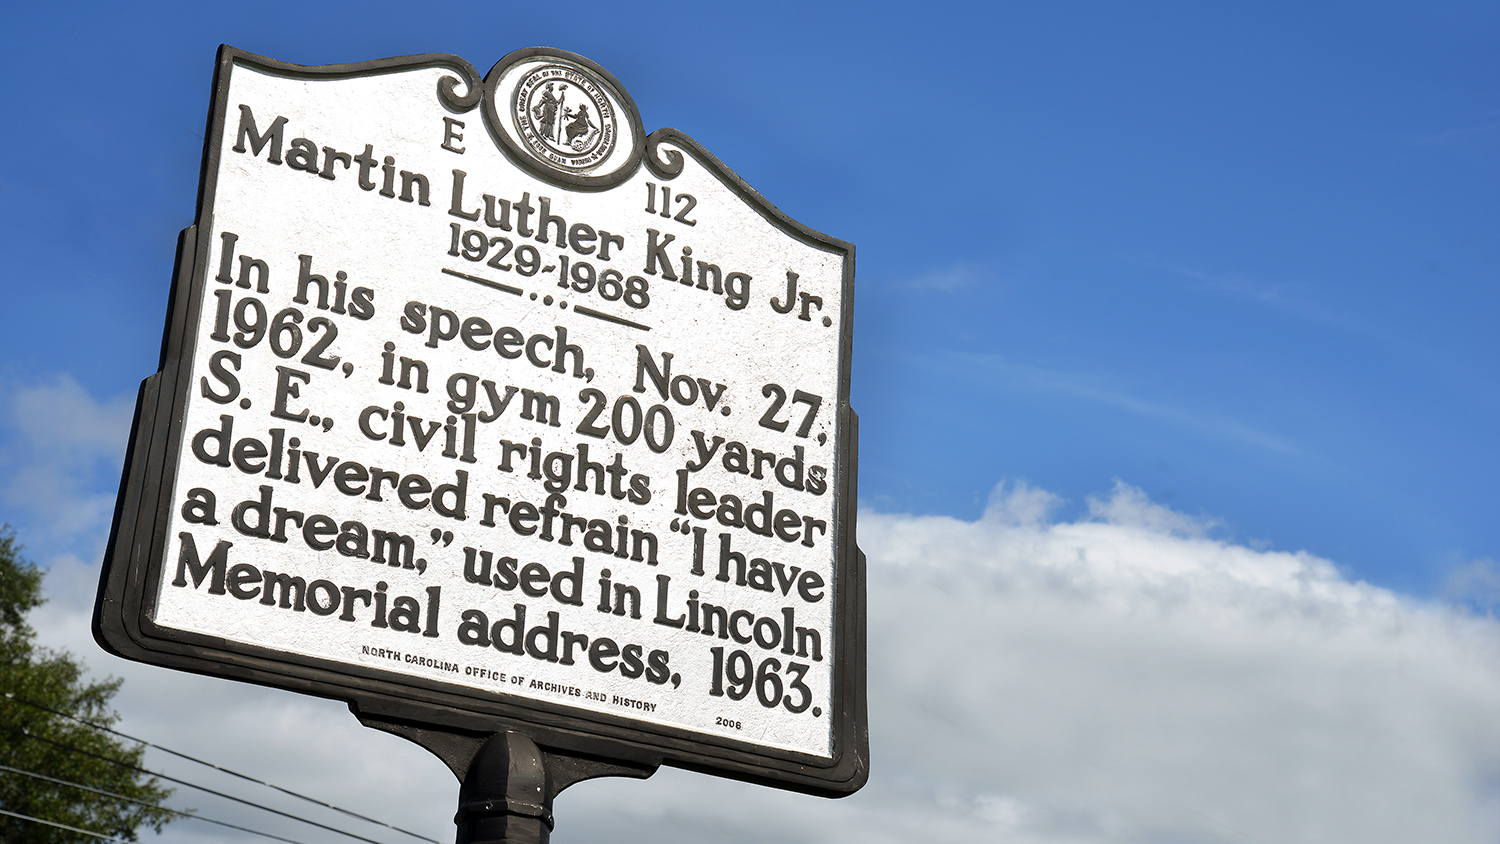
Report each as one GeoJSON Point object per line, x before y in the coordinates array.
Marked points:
{"type": "Point", "coordinates": [507, 781]}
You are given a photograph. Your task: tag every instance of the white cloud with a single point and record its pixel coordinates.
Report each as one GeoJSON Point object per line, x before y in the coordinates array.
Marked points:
{"type": "Point", "coordinates": [1107, 391]}
{"type": "Point", "coordinates": [1475, 584]}
{"type": "Point", "coordinates": [1122, 678]}
{"type": "Point", "coordinates": [1288, 297]}
{"type": "Point", "coordinates": [60, 461]}
{"type": "Point", "coordinates": [1127, 506]}
{"type": "Point", "coordinates": [947, 280]}
{"type": "Point", "coordinates": [1126, 678]}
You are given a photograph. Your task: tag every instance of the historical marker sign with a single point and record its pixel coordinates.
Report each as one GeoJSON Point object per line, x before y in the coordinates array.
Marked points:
{"type": "Point", "coordinates": [479, 404]}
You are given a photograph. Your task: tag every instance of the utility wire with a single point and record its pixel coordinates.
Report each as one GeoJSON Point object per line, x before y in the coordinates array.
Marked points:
{"type": "Point", "coordinates": [101, 836]}
{"type": "Point", "coordinates": [180, 814]}
{"type": "Point", "coordinates": [138, 769]}
{"type": "Point", "coordinates": [205, 763]}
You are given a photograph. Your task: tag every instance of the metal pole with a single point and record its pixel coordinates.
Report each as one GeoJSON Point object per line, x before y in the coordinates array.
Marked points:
{"type": "Point", "coordinates": [504, 798]}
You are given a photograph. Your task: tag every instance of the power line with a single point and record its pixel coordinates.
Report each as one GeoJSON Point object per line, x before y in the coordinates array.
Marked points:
{"type": "Point", "coordinates": [205, 789]}
{"type": "Point", "coordinates": [98, 835]}
{"type": "Point", "coordinates": [127, 799]}
{"type": "Point", "coordinates": [205, 763]}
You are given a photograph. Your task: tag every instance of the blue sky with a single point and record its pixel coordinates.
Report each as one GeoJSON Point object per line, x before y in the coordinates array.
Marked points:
{"type": "Point", "coordinates": [1234, 264]}
{"type": "Point", "coordinates": [1241, 257]}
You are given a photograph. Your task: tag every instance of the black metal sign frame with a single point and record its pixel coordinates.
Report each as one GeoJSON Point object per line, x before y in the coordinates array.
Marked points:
{"type": "Point", "coordinates": [422, 709]}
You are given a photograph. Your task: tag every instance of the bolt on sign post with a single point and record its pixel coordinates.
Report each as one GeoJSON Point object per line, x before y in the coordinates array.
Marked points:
{"type": "Point", "coordinates": [524, 432]}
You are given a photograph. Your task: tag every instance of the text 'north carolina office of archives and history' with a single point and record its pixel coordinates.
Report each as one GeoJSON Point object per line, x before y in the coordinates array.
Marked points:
{"type": "Point", "coordinates": [475, 396]}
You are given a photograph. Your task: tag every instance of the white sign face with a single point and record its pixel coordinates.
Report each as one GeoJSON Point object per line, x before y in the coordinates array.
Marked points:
{"type": "Point", "coordinates": [568, 433]}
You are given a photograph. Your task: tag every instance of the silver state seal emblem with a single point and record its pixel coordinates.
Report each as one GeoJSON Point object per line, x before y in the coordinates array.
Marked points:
{"type": "Point", "coordinates": [564, 117]}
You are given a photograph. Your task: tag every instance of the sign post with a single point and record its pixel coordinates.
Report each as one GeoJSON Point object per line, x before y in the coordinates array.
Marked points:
{"type": "Point", "coordinates": [524, 432]}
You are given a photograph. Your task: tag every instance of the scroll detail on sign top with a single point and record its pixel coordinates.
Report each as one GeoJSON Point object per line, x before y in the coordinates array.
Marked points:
{"type": "Point", "coordinates": [466, 415]}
